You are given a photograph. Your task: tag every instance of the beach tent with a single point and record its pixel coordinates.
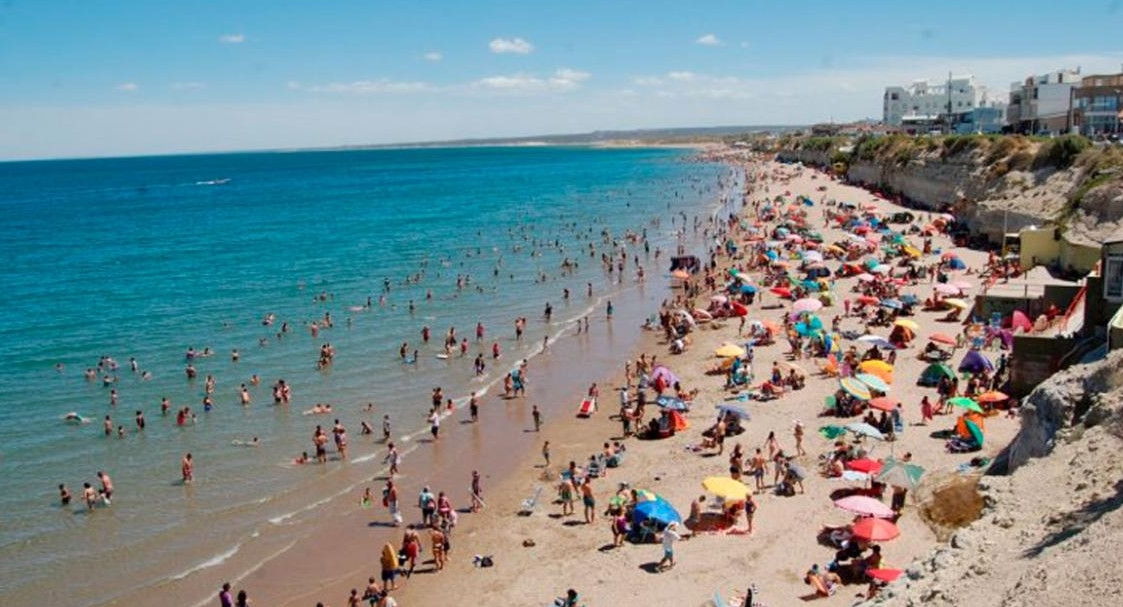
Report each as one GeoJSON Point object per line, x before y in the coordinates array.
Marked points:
{"type": "Point", "coordinates": [975, 362]}
{"type": "Point", "coordinates": [676, 421]}
{"type": "Point", "coordinates": [932, 374]}
{"type": "Point", "coordinates": [956, 263]}
{"type": "Point", "coordinates": [968, 427]}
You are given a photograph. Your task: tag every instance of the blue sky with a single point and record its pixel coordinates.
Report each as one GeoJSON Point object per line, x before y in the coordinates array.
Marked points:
{"type": "Point", "coordinates": [109, 77]}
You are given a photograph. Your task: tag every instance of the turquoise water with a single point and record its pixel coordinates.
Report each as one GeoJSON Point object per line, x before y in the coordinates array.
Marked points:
{"type": "Point", "coordinates": [147, 257]}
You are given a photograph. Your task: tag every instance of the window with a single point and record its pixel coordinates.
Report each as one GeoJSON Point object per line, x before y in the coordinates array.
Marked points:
{"type": "Point", "coordinates": [1113, 278]}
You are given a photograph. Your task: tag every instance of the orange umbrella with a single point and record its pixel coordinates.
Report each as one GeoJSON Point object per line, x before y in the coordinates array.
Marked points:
{"type": "Point", "coordinates": [682, 274]}
{"type": "Point", "coordinates": [994, 396]}
{"type": "Point", "coordinates": [884, 403]}
{"type": "Point", "coordinates": [941, 338]}
{"type": "Point", "coordinates": [772, 327]}
{"type": "Point", "coordinates": [874, 530]}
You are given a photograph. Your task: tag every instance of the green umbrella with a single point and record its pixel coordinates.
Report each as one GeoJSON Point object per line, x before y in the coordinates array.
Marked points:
{"type": "Point", "coordinates": [975, 431]}
{"type": "Point", "coordinates": [966, 403]}
{"type": "Point", "coordinates": [900, 474]}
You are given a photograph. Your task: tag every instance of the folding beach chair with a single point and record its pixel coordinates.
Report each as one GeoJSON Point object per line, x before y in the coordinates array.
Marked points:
{"type": "Point", "coordinates": [530, 503]}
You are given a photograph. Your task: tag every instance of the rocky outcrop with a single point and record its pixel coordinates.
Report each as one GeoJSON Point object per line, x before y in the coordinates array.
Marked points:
{"type": "Point", "coordinates": [1051, 532]}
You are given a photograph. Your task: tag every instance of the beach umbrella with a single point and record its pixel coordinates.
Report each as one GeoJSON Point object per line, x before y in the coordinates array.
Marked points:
{"type": "Point", "coordinates": [949, 255]}
{"type": "Point", "coordinates": [865, 464]}
{"type": "Point", "coordinates": [975, 362]}
{"type": "Point", "coordinates": [680, 274]}
{"type": "Point", "coordinates": [665, 373]}
{"type": "Point", "coordinates": [877, 340]}
{"type": "Point", "coordinates": [1019, 320]}
{"type": "Point", "coordinates": [734, 410]}
{"type": "Point", "coordinates": [645, 495]}
{"type": "Point", "coordinates": [881, 269]}
{"type": "Point", "coordinates": [864, 506]}
{"type": "Point", "coordinates": [671, 403]}
{"type": "Point", "coordinates": [807, 305]}
{"type": "Point", "coordinates": [957, 303]}
{"type": "Point", "coordinates": [864, 429]}
{"type": "Point", "coordinates": [866, 300]}
{"type": "Point", "coordinates": [911, 251]}
{"type": "Point", "coordinates": [854, 475]}
{"type": "Point", "coordinates": [719, 299]}
{"type": "Point", "coordinates": [781, 291]}
{"type": "Point", "coordinates": [956, 263]}
{"type": "Point", "coordinates": [893, 304]}
{"type": "Point", "coordinates": [908, 324]}
{"type": "Point", "coordinates": [874, 530]}
{"type": "Point", "coordinates": [884, 403]}
{"type": "Point", "coordinates": [975, 430]}
{"type": "Point", "coordinates": [994, 396]}
{"type": "Point", "coordinates": [812, 256]}
{"type": "Point", "coordinates": [879, 368]}
{"type": "Point", "coordinates": [855, 388]}
{"type": "Point", "coordinates": [966, 403]}
{"type": "Point", "coordinates": [962, 285]}
{"type": "Point", "coordinates": [942, 338]}
{"type": "Point", "coordinates": [866, 277]}
{"type": "Point", "coordinates": [770, 326]}
{"type": "Point", "coordinates": [873, 381]}
{"type": "Point", "coordinates": [884, 575]}
{"type": "Point", "coordinates": [748, 289]}
{"type": "Point", "coordinates": [900, 474]}
{"type": "Point", "coordinates": [658, 510]}
{"type": "Point", "coordinates": [946, 289]}
{"type": "Point", "coordinates": [727, 488]}
{"type": "Point", "coordinates": [730, 351]}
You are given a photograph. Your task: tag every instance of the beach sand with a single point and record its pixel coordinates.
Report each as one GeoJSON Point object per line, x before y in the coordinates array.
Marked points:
{"type": "Point", "coordinates": [570, 554]}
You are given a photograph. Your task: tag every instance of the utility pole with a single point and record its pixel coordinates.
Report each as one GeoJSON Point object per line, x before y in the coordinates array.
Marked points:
{"type": "Point", "coordinates": [947, 117]}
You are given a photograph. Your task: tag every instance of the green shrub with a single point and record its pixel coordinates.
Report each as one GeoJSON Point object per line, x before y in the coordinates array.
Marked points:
{"type": "Point", "coordinates": [1060, 152]}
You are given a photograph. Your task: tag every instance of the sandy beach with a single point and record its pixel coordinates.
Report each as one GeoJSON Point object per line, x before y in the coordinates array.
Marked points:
{"type": "Point", "coordinates": [567, 553]}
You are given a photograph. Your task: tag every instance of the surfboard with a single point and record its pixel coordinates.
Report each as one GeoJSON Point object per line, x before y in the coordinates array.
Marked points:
{"type": "Point", "coordinates": [588, 408]}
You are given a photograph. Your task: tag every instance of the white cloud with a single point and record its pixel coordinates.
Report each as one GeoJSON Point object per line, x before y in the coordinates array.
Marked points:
{"type": "Point", "coordinates": [433, 56]}
{"type": "Point", "coordinates": [382, 86]}
{"type": "Point", "coordinates": [647, 80]}
{"type": "Point", "coordinates": [188, 86]}
{"type": "Point", "coordinates": [563, 79]}
{"type": "Point", "coordinates": [232, 38]}
{"type": "Point", "coordinates": [127, 87]}
{"type": "Point", "coordinates": [510, 45]}
{"type": "Point", "coordinates": [681, 76]}
{"type": "Point", "coordinates": [708, 40]}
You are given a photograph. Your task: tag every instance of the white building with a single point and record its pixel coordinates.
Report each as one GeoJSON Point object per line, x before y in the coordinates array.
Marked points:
{"type": "Point", "coordinates": [1043, 103]}
{"type": "Point", "coordinates": [927, 101]}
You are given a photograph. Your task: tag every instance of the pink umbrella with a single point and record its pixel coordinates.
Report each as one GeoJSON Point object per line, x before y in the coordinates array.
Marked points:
{"type": "Point", "coordinates": [865, 506]}
{"type": "Point", "coordinates": [962, 285]}
{"type": "Point", "coordinates": [1019, 319]}
{"type": "Point", "coordinates": [807, 305]}
{"type": "Point", "coordinates": [947, 289]}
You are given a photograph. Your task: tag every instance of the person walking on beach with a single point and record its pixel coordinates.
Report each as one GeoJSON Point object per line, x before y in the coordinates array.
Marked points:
{"type": "Point", "coordinates": [435, 423]}
{"type": "Point", "coordinates": [608, 310]}
{"type": "Point", "coordinates": [537, 416]}
{"type": "Point", "coordinates": [474, 407]}
{"type": "Point", "coordinates": [546, 453]}
{"type": "Point", "coordinates": [106, 490]}
{"type": "Point", "coordinates": [225, 599]}
{"type": "Point", "coordinates": [589, 500]}
{"type": "Point", "coordinates": [670, 535]}
{"type": "Point", "coordinates": [390, 500]}
{"type": "Point", "coordinates": [477, 492]}
{"type": "Point", "coordinates": [797, 432]}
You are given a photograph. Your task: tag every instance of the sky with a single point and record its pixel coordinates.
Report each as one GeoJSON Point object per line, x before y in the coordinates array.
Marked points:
{"type": "Point", "coordinates": [114, 77]}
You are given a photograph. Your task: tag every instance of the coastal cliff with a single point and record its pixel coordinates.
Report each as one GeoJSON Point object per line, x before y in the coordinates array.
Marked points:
{"type": "Point", "coordinates": [1051, 531]}
{"type": "Point", "coordinates": [992, 182]}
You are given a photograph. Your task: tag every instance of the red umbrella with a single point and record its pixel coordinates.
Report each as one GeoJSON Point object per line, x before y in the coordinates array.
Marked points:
{"type": "Point", "coordinates": [781, 291]}
{"type": "Point", "coordinates": [884, 575]}
{"type": "Point", "coordinates": [1019, 319]}
{"type": "Point", "coordinates": [739, 309]}
{"type": "Point", "coordinates": [941, 338]}
{"type": "Point", "coordinates": [866, 465]}
{"type": "Point", "coordinates": [867, 300]}
{"type": "Point", "coordinates": [874, 530]}
{"type": "Point", "coordinates": [884, 403]}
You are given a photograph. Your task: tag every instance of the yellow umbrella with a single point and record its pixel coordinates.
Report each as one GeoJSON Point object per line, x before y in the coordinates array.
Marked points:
{"type": "Point", "coordinates": [730, 351]}
{"type": "Point", "coordinates": [908, 324]}
{"type": "Point", "coordinates": [911, 251]}
{"type": "Point", "coordinates": [878, 368]}
{"type": "Point", "coordinates": [727, 488]}
{"type": "Point", "coordinates": [957, 303]}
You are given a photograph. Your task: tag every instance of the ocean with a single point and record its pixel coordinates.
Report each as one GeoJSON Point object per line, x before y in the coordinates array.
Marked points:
{"type": "Point", "coordinates": [146, 258]}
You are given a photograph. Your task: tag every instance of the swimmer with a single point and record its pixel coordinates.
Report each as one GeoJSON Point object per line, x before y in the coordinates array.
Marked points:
{"type": "Point", "coordinates": [64, 495]}
{"type": "Point", "coordinates": [187, 468]}
{"type": "Point", "coordinates": [303, 459]}
{"type": "Point", "coordinates": [106, 491]}
{"type": "Point", "coordinates": [89, 495]}
{"type": "Point", "coordinates": [253, 442]}
{"type": "Point", "coordinates": [74, 418]}
{"type": "Point", "coordinates": [318, 409]}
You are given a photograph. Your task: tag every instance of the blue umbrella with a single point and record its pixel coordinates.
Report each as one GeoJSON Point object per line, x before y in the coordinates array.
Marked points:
{"type": "Point", "coordinates": [671, 403]}
{"type": "Point", "coordinates": [892, 303]}
{"type": "Point", "coordinates": [734, 410]}
{"type": "Point", "coordinates": [658, 510]}
{"type": "Point", "coordinates": [748, 289]}
{"type": "Point", "coordinates": [909, 299]}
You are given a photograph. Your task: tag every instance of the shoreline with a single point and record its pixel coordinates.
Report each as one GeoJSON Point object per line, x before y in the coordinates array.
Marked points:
{"type": "Point", "coordinates": [774, 559]}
